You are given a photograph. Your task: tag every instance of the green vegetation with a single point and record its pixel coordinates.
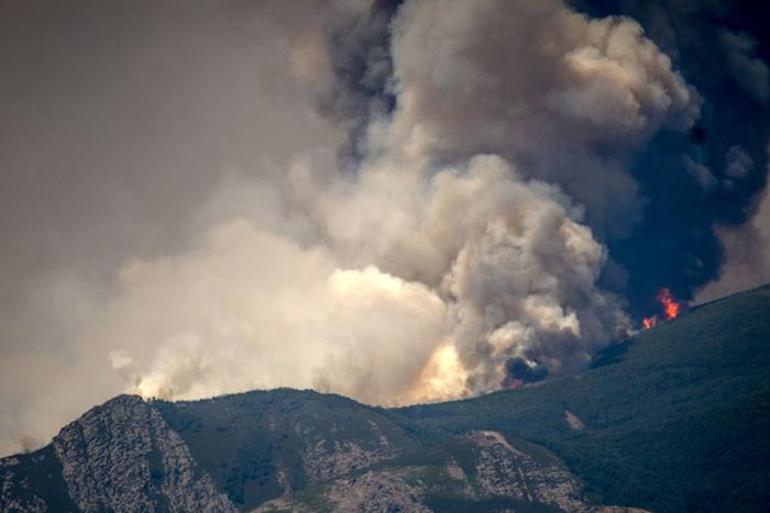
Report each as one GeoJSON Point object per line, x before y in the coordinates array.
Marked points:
{"type": "Point", "coordinates": [244, 440]}
{"type": "Point", "coordinates": [676, 419]}
{"type": "Point", "coordinates": [39, 473]}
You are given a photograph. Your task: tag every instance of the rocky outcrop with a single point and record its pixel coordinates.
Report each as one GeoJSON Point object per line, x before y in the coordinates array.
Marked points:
{"type": "Point", "coordinates": [532, 475]}
{"type": "Point", "coordinates": [371, 492]}
{"type": "Point", "coordinates": [511, 475]}
{"type": "Point", "coordinates": [122, 457]}
{"type": "Point", "coordinates": [375, 492]}
{"type": "Point", "coordinates": [326, 460]}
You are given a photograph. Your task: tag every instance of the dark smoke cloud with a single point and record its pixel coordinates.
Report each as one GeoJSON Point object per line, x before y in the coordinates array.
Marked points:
{"type": "Point", "coordinates": [722, 49]}
{"type": "Point", "coordinates": [660, 226]}
{"type": "Point", "coordinates": [361, 67]}
{"type": "Point", "coordinates": [520, 372]}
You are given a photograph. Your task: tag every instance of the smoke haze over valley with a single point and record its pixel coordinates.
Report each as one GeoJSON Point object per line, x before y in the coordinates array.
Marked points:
{"type": "Point", "coordinates": [399, 202]}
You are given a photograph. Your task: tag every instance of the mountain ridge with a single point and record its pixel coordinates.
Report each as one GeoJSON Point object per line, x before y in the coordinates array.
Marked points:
{"type": "Point", "coordinates": [671, 420]}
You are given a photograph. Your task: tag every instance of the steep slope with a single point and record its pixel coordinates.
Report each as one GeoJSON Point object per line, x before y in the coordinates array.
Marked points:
{"type": "Point", "coordinates": [260, 445]}
{"type": "Point", "coordinates": [34, 483]}
{"type": "Point", "coordinates": [120, 457]}
{"type": "Point", "coordinates": [676, 419]}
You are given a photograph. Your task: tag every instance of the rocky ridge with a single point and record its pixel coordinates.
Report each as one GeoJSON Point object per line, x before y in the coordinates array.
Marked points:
{"type": "Point", "coordinates": [124, 457]}
{"type": "Point", "coordinates": [120, 457]}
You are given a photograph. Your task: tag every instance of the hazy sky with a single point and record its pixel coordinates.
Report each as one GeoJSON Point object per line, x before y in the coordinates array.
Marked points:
{"type": "Point", "coordinates": [395, 201]}
{"type": "Point", "coordinates": [119, 122]}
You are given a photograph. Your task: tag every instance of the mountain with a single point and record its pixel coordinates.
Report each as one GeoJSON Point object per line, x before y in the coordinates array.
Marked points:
{"type": "Point", "coordinates": [675, 419]}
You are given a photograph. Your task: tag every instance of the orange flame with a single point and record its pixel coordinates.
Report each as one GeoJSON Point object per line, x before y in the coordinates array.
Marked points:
{"type": "Point", "coordinates": [670, 307]}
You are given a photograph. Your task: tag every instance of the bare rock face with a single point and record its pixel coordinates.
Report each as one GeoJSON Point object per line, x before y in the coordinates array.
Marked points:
{"type": "Point", "coordinates": [371, 492]}
{"type": "Point", "coordinates": [123, 457]}
{"type": "Point", "coordinates": [533, 476]}
{"type": "Point", "coordinates": [508, 476]}
{"type": "Point", "coordinates": [324, 460]}
{"type": "Point", "coordinates": [337, 450]}
{"type": "Point", "coordinates": [376, 492]}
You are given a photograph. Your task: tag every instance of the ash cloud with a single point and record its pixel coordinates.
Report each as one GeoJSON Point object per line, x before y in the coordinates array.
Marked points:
{"type": "Point", "coordinates": [396, 201]}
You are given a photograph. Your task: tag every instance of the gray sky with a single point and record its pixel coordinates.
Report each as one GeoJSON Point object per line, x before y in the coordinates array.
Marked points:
{"type": "Point", "coordinates": [118, 120]}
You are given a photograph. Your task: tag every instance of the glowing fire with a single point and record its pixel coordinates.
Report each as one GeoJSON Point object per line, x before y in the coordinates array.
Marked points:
{"type": "Point", "coordinates": [671, 309]}
{"type": "Point", "coordinates": [442, 379]}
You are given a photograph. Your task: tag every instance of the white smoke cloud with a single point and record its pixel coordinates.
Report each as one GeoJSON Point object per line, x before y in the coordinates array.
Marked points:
{"type": "Point", "coordinates": [468, 237]}
{"type": "Point", "coordinates": [524, 279]}
{"type": "Point", "coordinates": [250, 309]}
{"type": "Point", "coordinates": [516, 277]}
{"type": "Point", "coordinates": [565, 97]}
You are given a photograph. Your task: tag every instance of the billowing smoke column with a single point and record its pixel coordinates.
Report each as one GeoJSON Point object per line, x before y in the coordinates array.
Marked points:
{"type": "Point", "coordinates": [428, 199]}
{"type": "Point", "coordinates": [490, 157]}
{"type": "Point", "coordinates": [486, 162]}
{"type": "Point", "coordinates": [710, 177]}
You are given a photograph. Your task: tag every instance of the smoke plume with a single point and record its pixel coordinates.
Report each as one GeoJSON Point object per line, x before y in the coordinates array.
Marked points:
{"type": "Point", "coordinates": [463, 223]}
{"type": "Point", "coordinates": [396, 201]}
